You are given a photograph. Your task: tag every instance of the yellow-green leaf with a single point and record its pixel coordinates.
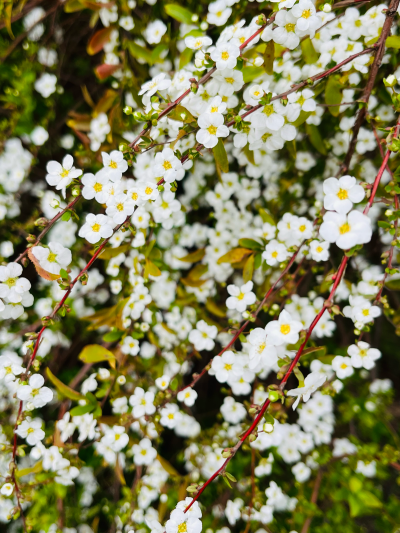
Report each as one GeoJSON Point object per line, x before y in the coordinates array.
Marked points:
{"type": "Point", "coordinates": [221, 159]}
{"type": "Point", "coordinates": [234, 256]}
{"type": "Point", "coordinates": [35, 469]}
{"type": "Point", "coordinates": [168, 467]}
{"type": "Point", "coordinates": [179, 13]}
{"type": "Point", "coordinates": [7, 18]}
{"type": "Point", "coordinates": [151, 269]}
{"type": "Point", "coordinates": [310, 56]}
{"type": "Point", "coordinates": [193, 257]}
{"type": "Point", "coordinates": [315, 138]}
{"type": "Point", "coordinates": [181, 114]}
{"type": "Point", "coordinates": [393, 284]}
{"type": "Point", "coordinates": [95, 353]}
{"type": "Point", "coordinates": [301, 118]}
{"type": "Point", "coordinates": [266, 217]}
{"type": "Point", "coordinates": [214, 309]}
{"type": "Point", "coordinates": [138, 52]}
{"type": "Point", "coordinates": [333, 95]}
{"type": "Point", "coordinates": [248, 268]}
{"type": "Point", "coordinates": [62, 388]}
{"type": "Point", "coordinates": [185, 57]}
{"type": "Point", "coordinates": [109, 253]}
{"type": "Point", "coordinates": [393, 41]}
{"type": "Point", "coordinates": [269, 56]}
{"type": "Point", "coordinates": [251, 73]}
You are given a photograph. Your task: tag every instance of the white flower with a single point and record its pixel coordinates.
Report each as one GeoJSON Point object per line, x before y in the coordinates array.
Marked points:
{"type": "Point", "coordinates": [130, 346]}
{"type": "Point", "coordinates": [187, 396]}
{"type": "Point", "coordinates": [260, 350]}
{"type": "Point", "coordinates": [60, 176]}
{"type": "Point", "coordinates": [223, 366]}
{"type": "Point", "coordinates": [168, 166]}
{"type": "Point", "coordinates": [340, 194]}
{"type": "Point", "coordinates": [275, 252]}
{"type": "Point", "coordinates": [31, 430]}
{"type": "Point", "coordinates": [319, 250]}
{"type": "Point", "coordinates": [115, 164]}
{"type": "Point", "coordinates": [346, 230]}
{"type": "Point", "coordinates": [232, 411]}
{"type": "Point", "coordinates": [155, 31]}
{"type": "Point", "coordinates": [366, 469]}
{"type": "Point", "coordinates": [7, 489]}
{"type": "Point", "coordinates": [12, 286]}
{"type": "Point", "coordinates": [311, 383]}
{"type": "Point", "coordinates": [303, 99]}
{"type": "Point", "coordinates": [46, 84]}
{"type": "Point", "coordinates": [203, 336]}
{"type": "Point", "coordinates": [127, 23]}
{"type": "Point", "coordinates": [170, 415]}
{"type": "Point", "coordinates": [301, 471]}
{"type": "Point", "coordinates": [65, 427]}
{"type": "Point", "coordinates": [95, 186]}
{"type": "Point", "coordinates": [120, 207]}
{"type": "Point", "coordinates": [241, 297]}
{"type": "Point", "coordinates": [284, 33]}
{"type": "Point", "coordinates": [197, 43]}
{"type": "Point", "coordinates": [362, 355]}
{"type": "Point", "coordinates": [285, 330]}
{"type": "Point", "coordinates": [361, 311]}
{"type": "Point", "coordinates": [53, 258]}
{"type": "Point", "coordinates": [212, 127]}
{"type": "Point", "coordinates": [96, 227]}
{"type": "Point", "coordinates": [225, 55]}
{"type": "Point", "coordinates": [142, 403]}
{"type": "Point", "coordinates": [342, 366]}
{"type": "Point", "coordinates": [305, 13]}
{"type": "Point", "coordinates": [158, 83]}
{"type": "Point", "coordinates": [34, 392]}
{"type": "Point", "coordinates": [39, 136]}
{"type": "Point", "coordinates": [163, 382]}
{"type": "Point", "coordinates": [218, 13]}
{"type": "Point", "coordinates": [10, 367]}
{"type": "Point", "coordinates": [144, 453]}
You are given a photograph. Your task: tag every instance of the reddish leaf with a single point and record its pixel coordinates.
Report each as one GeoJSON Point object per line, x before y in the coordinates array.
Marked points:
{"type": "Point", "coordinates": [103, 71]}
{"type": "Point", "coordinates": [99, 39]}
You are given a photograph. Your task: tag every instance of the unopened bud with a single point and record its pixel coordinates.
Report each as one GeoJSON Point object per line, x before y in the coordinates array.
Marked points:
{"type": "Point", "coordinates": [327, 8]}
{"type": "Point", "coordinates": [83, 278]}
{"type": "Point", "coordinates": [128, 110]}
{"type": "Point", "coordinates": [41, 222]}
{"type": "Point", "coordinates": [261, 20]}
{"type": "Point", "coordinates": [31, 238]}
{"type": "Point", "coordinates": [268, 428]}
{"type": "Point", "coordinates": [75, 191]}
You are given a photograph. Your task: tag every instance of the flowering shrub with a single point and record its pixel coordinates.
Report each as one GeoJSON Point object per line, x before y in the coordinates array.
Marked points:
{"type": "Point", "coordinates": [199, 247]}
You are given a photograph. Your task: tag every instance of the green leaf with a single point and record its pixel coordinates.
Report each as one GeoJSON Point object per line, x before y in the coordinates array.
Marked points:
{"type": "Point", "coordinates": [112, 336]}
{"type": "Point", "coordinates": [315, 138]}
{"type": "Point", "coordinates": [62, 388]}
{"type": "Point", "coordinates": [310, 56]}
{"type": "Point", "coordinates": [393, 284]}
{"type": "Point", "coordinates": [248, 268]}
{"type": "Point", "coordinates": [109, 253]}
{"type": "Point", "coordinates": [194, 257]}
{"type": "Point", "coordinates": [333, 94]}
{"type": "Point", "coordinates": [213, 308]}
{"type": "Point", "coordinates": [156, 54]}
{"type": "Point", "coordinates": [179, 13]}
{"type": "Point", "coordinates": [250, 243]}
{"type": "Point", "coordinates": [257, 261]}
{"type": "Point", "coordinates": [269, 419]}
{"type": "Point", "coordinates": [168, 467]}
{"type": "Point", "coordinates": [185, 57]}
{"type": "Point", "coordinates": [95, 353]}
{"type": "Point", "coordinates": [393, 41]}
{"type": "Point", "coordinates": [251, 73]}
{"type": "Point", "coordinates": [234, 256]}
{"type": "Point", "coordinates": [369, 499]}
{"type": "Point", "coordinates": [356, 507]}
{"type": "Point", "coordinates": [301, 118]}
{"type": "Point", "coordinates": [221, 159]}
{"type": "Point", "coordinates": [66, 216]}
{"type": "Point", "coordinates": [355, 484]}
{"type": "Point", "coordinates": [80, 410]}
{"type": "Point", "coordinates": [316, 351]}
{"type": "Point", "coordinates": [269, 56]}
{"type": "Point", "coordinates": [138, 52]}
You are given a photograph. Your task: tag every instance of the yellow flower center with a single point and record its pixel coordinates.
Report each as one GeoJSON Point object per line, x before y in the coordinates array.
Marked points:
{"type": "Point", "coordinates": [363, 353]}
{"type": "Point", "coordinates": [64, 173]}
{"type": "Point", "coordinates": [290, 27]}
{"type": "Point", "coordinates": [96, 227]}
{"type": "Point", "coordinates": [225, 56]}
{"type": "Point", "coordinates": [30, 430]}
{"type": "Point", "coordinates": [120, 207]}
{"type": "Point", "coordinates": [214, 109]}
{"type": "Point", "coordinates": [365, 312]}
{"type": "Point", "coordinates": [167, 165]}
{"type": "Point", "coordinates": [268, 109]}
{"type": "Point", "coordinates": [241, 296]}
{"type": "Point", "coordinates": [319, 249]}
{"type": "Point", "coordinates": [182, 528]}
{"type": "Point", "coordinates": [228, 366]}
{"type": "Point", "coordinates": [11, 282]}
{"type": "Point", "coordinates": [212, 130]}
{"type": "Point", "coordinates": [274, 255]}
{"type": "Point", "coordinates": [98, 187]}
{"type": "Point", "coordinates": [342, 194]}
{"type": "Point", "coordinates": [148, 190]}
{"type": "Point", "coordinates": [302, 228]}
{"type": "Point", "coordinates": [285, 329]}
{"type": "Point", "coordinates": [135, 196]}
{"type": "Point", "coordinates": [306, 14]}
{"type": "Point", "coordinates": [344, 228]}
{"type": "Point", "coordinates": [113, 164]}
{"type": "Point", "coordinates": [229, 80]}
{"type": "Point", "coordinates": [343, 365]}
{"type": "Point", "coordinates": [52, 258]}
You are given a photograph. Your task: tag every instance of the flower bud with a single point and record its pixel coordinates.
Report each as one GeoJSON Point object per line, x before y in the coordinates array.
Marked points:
{"type": "Point", "coordinates": [327, 8]}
